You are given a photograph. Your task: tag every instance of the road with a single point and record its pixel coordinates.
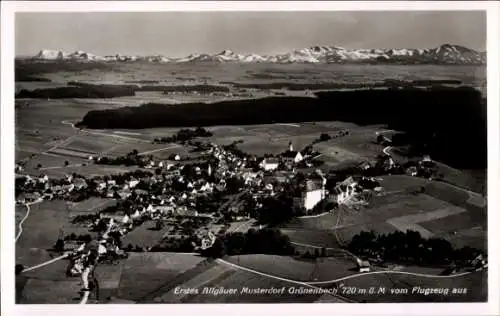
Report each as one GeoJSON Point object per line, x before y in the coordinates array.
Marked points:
{"type": "Point", "coordinates": [61, 167]}
{"type": "Point", "coordinates": [386, 150]}
{"type": "Point", "coordinates": [288, 124]}
{"type": "Point", "coordinates": [45, 263]}
{"type": "Point", "coordinates": [161, 149]}
{"type": "Point", "coordinates": [28, 209]}
{"type": "Point", "coordinates": [122, 137]}
{"type": "Point", "coordinates": [104, 134]}
{"type": "Point", "coordinates": [314, 216]}
{"type": "Point", "coordinates": [352, 276]}
{"type": "Point", "coordinates": [281, 279]}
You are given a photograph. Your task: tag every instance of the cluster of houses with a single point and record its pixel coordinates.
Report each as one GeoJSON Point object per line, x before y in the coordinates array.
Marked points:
{"type": "Point", "coordinates": [214, 176]}
{"type": "Point", "coordinates": [423, 168]}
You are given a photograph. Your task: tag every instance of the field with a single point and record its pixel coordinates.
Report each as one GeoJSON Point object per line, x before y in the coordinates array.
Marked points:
{"type": "Point", "coordinates": [323, 269]}
{"type": "Point", "coordinates": [42, 228]}
{"type": "Point", "coordinates": [145, 273]}
{"type": "Point", "coordinates": [443, 211]}
{"type": "Point", "coordinates": [476, 290]}
{"type": "Point", "coordinates": [145, 235]}
{"type": "Point", "coordinates": [314, 237]}
{"type": "Point", "coordinates": [89, 206]}
{"type": "Point", "coordinates": [33, 285]}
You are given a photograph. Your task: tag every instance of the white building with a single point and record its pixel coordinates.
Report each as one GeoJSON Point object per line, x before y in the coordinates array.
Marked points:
{"type": "Point", "coordinates": [133, 183]}
{"type": "Point", "coordinates": [292, 155]}
{"type": "Point", "coordinates": [363, 266]}
{"type": "Point", "coordinates": [345, 189]}
{"type": "Point", "coordinates": [315, 192]}
{"type": "Point", "coordinates": [125, 219]}
{"type": "Point", "coordinates": [136, 214]}
{"type": "Point", "coordinates": [270, 164]}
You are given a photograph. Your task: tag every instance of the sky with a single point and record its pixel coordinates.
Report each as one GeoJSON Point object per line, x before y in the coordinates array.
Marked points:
{"type": "Point", "coordinates": [178, 34]}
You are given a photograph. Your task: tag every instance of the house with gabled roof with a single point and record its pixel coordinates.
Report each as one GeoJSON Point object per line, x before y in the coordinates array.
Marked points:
{"type": "Point", "coordinates": [345, 189]}
{"type": "Point", "coordinates": [270, 164]}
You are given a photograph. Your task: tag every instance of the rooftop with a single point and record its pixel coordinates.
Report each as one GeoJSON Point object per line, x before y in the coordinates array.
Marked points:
{"type": "Point", "coordinates": [271, 160]}
{"type": "Point", "coordinates": [290, 154]}
{"type": "Point", "coordinates": [312, 185]}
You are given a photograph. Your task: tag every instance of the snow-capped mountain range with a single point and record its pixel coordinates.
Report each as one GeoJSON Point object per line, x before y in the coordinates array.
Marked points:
{"type": "Point", "coordinates": [444, 54]}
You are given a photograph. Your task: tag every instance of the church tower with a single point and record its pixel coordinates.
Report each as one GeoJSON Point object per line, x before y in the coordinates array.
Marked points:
{"type": "Point", "coordinates": [290, 146]}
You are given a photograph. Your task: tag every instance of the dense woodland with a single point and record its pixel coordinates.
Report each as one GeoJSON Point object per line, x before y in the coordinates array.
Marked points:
{"type": "Point", "coordinates": [87, 90]}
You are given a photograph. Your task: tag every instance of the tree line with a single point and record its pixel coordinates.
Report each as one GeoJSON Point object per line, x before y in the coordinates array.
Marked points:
{"type": "Point", "coordinates": [264, 241]}
{"type": "Point", "coordinates": [184, 135]}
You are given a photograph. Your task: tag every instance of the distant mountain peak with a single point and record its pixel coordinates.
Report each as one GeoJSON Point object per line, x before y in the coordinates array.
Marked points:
{"type": "Point", "coordinates": [226, 52]}
{"type": "Point", "coordinates": [444, 54]}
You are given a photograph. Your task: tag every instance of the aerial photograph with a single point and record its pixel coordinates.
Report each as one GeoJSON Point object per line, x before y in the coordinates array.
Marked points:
{"type": "Point", "coordinates": [250, 157]}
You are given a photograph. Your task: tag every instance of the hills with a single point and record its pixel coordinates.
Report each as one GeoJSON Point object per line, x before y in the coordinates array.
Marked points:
{"type": "Point", "coordinates": [443, 54]}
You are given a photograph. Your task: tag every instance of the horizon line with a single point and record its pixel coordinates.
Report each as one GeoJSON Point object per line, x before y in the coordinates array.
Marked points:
{"type": "Point", "coordinates": [230, 50]}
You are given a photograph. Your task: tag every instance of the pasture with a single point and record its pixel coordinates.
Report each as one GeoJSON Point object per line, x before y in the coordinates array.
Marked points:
{"type": "Point", "coordinates": [39, 291]}
{"type": "Point", "coordinates": [313, 237]}
{"type": "Point", "coordinates": [442, 211]}
{"type": "Point", "coordinates": [52, 277]}
{"type": "Point", "coordinates": [89, 206]}
{"type": "Point", "coordinates": [474, 283]}
{"type": "Point", "coordinates": [303, 270]}
{"type": "Point", "coordinates": [95, 144]}
{"type": "Point", "coordinates": [42, 228]}
{"type": "Point", "coordinates": [335, 155]}
{"type": "Point", "coordinates": [146, 235]}
{"type": "Point", "coordinates": [109, 277]}
{"type": "Point", "coordinates": [243, 281]}
{"type": "Point", "coordinates": [144, 273]}
{"type": "Point", "coordinates": [89, 170]}
{"type": "Point", "coordinates": [50, 163]}
{"type": "Point", "coordinates": [410, 222]}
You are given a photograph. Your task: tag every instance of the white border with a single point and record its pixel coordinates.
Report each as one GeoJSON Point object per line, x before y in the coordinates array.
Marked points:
{"type": "Point", "coordinates": [7, 163]}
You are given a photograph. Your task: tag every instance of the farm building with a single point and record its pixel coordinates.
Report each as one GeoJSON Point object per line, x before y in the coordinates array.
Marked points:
{"type": "Point", "coordinates": [364, 165]}
{"type": "Point", "coordinates": [389, 163]}
{"type": "Point", "coordinates": [426, 162]}
{"type": "Point", "coordinates": [270, 164]}
{"type": "Point", "coordinates": [344, 190]}
{"type": "Point", "coordinates": [412, 171]}
{"type": "Point", "coordinates": [363, 266]}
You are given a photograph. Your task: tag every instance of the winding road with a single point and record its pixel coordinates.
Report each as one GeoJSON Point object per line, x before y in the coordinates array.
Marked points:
{"type": "Point", "coordinates": [104, 134]}
{"type": "Point", "coordinates": [280, 278]}
{"type": "Point", "coordinates": [386, 150]}
{"type": "Point", "coordinates": [65, 255]}
{"type": "Point", "coordinates": [352, 276]}
{"type": "Point", "coordinates": [28, 209]}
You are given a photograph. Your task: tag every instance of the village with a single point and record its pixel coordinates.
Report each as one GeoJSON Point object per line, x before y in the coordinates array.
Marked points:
{"type": "Point", "coordinates": [199, 199]}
